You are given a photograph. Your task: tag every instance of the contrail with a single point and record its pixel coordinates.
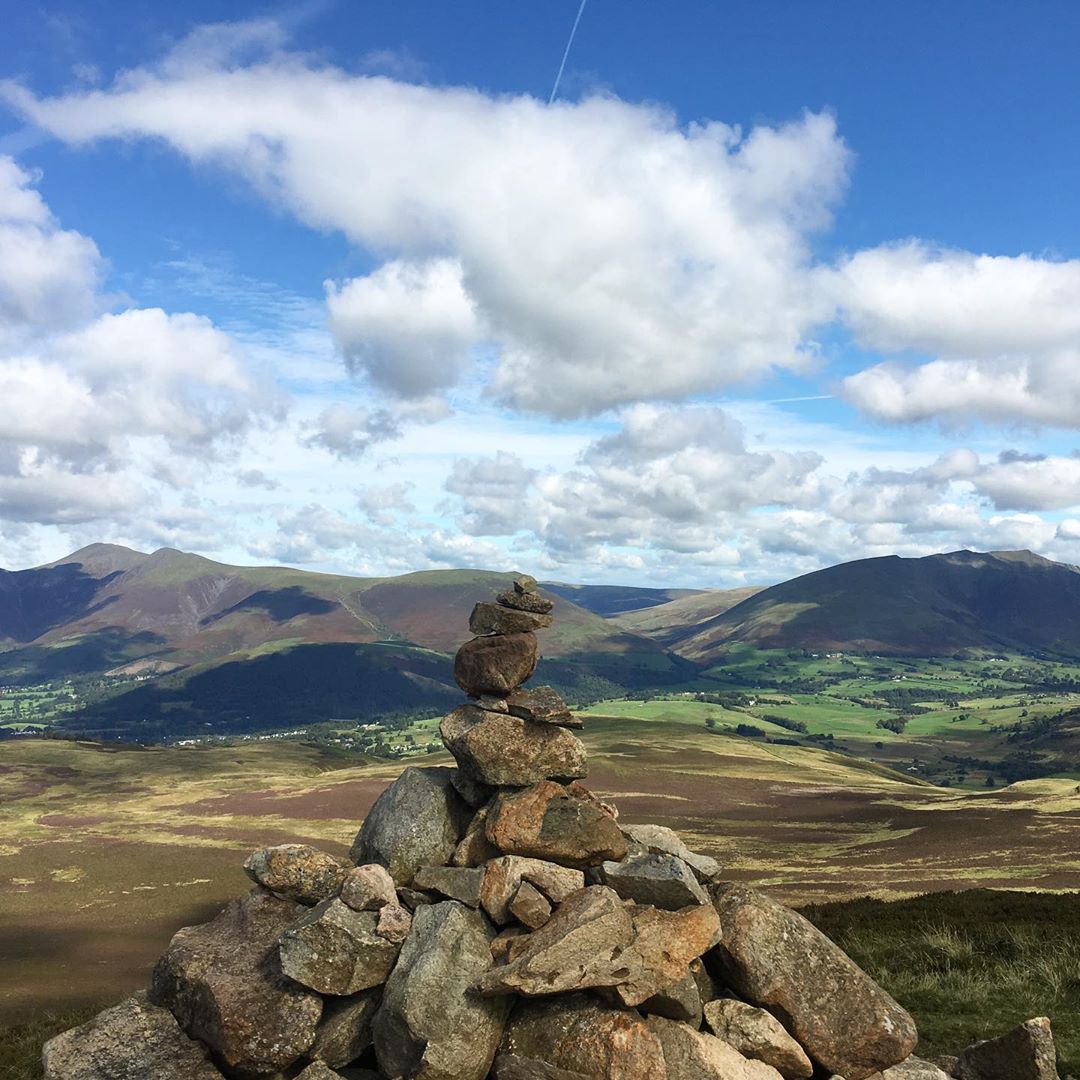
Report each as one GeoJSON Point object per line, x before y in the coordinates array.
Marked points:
{"type": "Point", "coordinates": [570, 42]}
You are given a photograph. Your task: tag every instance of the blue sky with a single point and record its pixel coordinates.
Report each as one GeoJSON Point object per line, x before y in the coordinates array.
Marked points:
{"type": "Point", "coordinates": [768, 287]}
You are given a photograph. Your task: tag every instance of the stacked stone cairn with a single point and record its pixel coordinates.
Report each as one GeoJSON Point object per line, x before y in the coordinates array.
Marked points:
{"type": "Point", "coordinates": [496, 920]}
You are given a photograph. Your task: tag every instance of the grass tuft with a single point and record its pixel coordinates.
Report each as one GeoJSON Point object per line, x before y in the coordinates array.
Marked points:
{"type": "Point", "coordinates": [20, 1045]}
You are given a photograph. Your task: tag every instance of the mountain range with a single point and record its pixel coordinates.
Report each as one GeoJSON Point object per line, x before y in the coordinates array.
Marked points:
{"type": "Point", "coordinates": [251, 647]}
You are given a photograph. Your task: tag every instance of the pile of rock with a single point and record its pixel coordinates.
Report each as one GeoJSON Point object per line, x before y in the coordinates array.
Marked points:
{"type": "Point", "coordinates": [496, 920]}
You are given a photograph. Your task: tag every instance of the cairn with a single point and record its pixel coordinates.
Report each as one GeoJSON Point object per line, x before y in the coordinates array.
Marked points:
{"type": "Point", "coordinates": [496, 920]}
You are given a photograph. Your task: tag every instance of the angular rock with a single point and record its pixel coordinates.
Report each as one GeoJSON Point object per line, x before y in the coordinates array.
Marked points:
{"type": "Point", "coordinates": [680, 1001]}
{"type": "Point", "coordinates": [368, 887]}
{"type": "Point", "coordinates": [706, 986]}
{"type": "Point", "coordinates": [131, 1041]}
{"type": "Point", "coordinates": [525, 601]}
{"type": "Point", "coordinates": [1025, 1053]}
{"type": "Point", "coordinates": [496, 619]}
{"type": "Point", "coordinates": [455, 882]}
{"type": "Point", "coordinates": [503, 750]}
{"type": "Point", "coordinates": [530, 906]}
{"type": "Point", "coordinates": [431, 1023]}
{"type": "Point", "coordinates": [579, 1035]}
{"type": "Point", "coordinates": [224, 984]}
{"type": "Point", "coordinates": [581, 946]}
{"type": "Point", "coordinates": [524, 584]}
{"type": "Point", "coordinates": [417, 821]}
{"type": "Point", "coordinates": [772, 957]}
{"type": "Point", "coordinates": [915, 1068]}
{"type": "Point", "coordinates": [474, 849]}
{"type": "Point", "coordinates": [665, 943]}
{"type": "Point", "coordinates": [549, 821]}
{"type": "Point", "coordinates": [495, 665]}
{"type": "Point", "coordinates": [542, 705]}
{"type": "Point", "coordinates": [297, 872]}
{"type": "Point", "coordinates": [513, 1067]}
{"type": "Point", "coordinates": [344, 1032]}
{"type": "Point", "coordinates": [664, 881]}
{"type": "Point", "coordinates": [336, 950]}
{"type": "Point", "coordinates": [503, 942]}
{"type": "Point", "coordinates": [693, 1055]}
{"type": "Point", "coordinates": [759, 1035]}
{"type": "Point", "coordinates": [503, 877]}
{"type": "Point", "coordinates": [411, 899]}
{"type": "Point", "coordinates": [473, 793]}
{"type": "Point", "coordinates": [395, 922]}
{"type": "Point", "coordinates": [660, 840]}
{"type": "Point", "coordinates": [317, 1070]}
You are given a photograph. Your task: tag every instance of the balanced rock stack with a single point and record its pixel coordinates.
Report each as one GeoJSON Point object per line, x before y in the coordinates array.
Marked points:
{"type": "Point", "coordinates": [496, 920]}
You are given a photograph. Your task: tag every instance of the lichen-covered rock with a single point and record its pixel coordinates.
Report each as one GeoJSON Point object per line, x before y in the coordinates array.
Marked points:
{"type": "Point", "coordinates": [318, 1070]}
{"type": "Point", "coordinates": [224, 984]}
{"type": "Point", "coordinates": [495, 665]}
{"type": "Point", "coordinates": [344, 1032]}
{"type": "Point", "coordinates": [504, 875]}
{"type": "Point", "coordinates": [914, 1068]}
{"type": "Point", "coordinates": [525, 601]}
{"type": "Point", "coordinates": [579, 1035]}
{"type": "Point", "coordinates": [660, 840]}
{"type": "Point", "coordinates": [431, 1023]}
{"type": "Point", "coordinates": [664, 881]}
{"type": "Point", "coordinates": [455, 882]}
{"type": "Point", "coordinates": [368, 887]}
{"type": "Point", "coordinates": [297, 872]}
{"type": "Point", "coordinates": [757, 1034]}
{"type": "Point", "coordinates": [665, 943]}
{"type": "Point", "coordinates": [680, 1001]}
{"type": "Point", "coordinates": [581, 946]}
{"type": "Point", "coordinates": [489, 618]}
{"type": "Point", "coordinates": [131, 1041]}
{"type": "Point", "coordinates": [336, 950]}
{"type": "Point", "coordinates": [772, 957]}
{"type": "Point", "coordinates": [474, 849]}
{"type": "Point", "coordinates": [1025, 1053]}
{"type": "Point", "coordinates": [513, 1067]}
{"type": "Point", "coordinates": [693, 1055]}
{"type": "Point", "coordinates": [474, 793]}
{"type": "Point", "coordinates": [530, 906]}
{"type": "Point", "coordinates": [503, 750]}
{"type": "Point", "coordinates": [552, 822]}
{"type": "Point", "coordinates": [417, 821]}
{"type": "Point", "coordinates": [395, 922]}
{"type": "Point", "coordinates": [541, 705]}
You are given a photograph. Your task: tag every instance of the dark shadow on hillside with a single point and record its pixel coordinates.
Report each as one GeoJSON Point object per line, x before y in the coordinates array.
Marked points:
{"type": "Point", "coordinates": [33, 602]}
{"type": "Point", "coordinates": [280, 604]}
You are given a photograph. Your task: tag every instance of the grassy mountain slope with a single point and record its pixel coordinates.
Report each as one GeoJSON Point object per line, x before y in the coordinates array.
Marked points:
{"type": "Point", "coordinates": [666, 622]}
{"type": "Point", "coordinates": [931, 606]}
{"type": "Point", "coordinates": [612, 600]}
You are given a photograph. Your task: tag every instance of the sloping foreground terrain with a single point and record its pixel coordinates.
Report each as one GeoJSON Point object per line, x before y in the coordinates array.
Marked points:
{"type": "Point", "coordinates": [932, 606]}
{"type": "Point", "coordinates": [107, 850]}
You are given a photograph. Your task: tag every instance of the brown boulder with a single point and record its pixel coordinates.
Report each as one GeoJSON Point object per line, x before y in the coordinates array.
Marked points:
{"type": "Point", "coordinates": [495, 665]}
{"type": "Point", "coordinates": [224, 984]}
{"type": "Point", "coordinates": [1025, 1053]}
{"type": "Point", "coordinates": [496, 619]}
{"type": "Point", "coordinates": [525, 601]}
{"type": "Point", "coordinates": [503, 877]}
{"type": "Point", "coordinates": [503, 750]}
{"type": "Point", "coordinates": [296, 872]}
{"type": "Point", "coordinates": [757, 1034]}
{"type": "Point", "coordinates": [530, 906]}
{"type": "Point", "coordinates": [772, 957]}
{"type": "Point", "coordinates": [693, 1055]}
{"type": "Point", "coordinates": [550, 821]}
{"type": "Point", "coordinates": [474, 849]}
{"type": "Point", "coordinates": [368, 887]}
{"type": "Point", "coordinates": [542, 705]}
{"type": "Point", "coordinates": [131, 1041]}
{"type": "Point", "coordinates": [579, 1035]}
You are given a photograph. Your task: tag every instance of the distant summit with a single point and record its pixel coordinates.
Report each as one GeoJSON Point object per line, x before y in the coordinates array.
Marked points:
{"type": "Point", "coordinates": [932, 606]}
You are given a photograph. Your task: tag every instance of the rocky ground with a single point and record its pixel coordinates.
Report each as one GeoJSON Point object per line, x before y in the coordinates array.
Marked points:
{"type": "Point", "coordinates": [494, 919]}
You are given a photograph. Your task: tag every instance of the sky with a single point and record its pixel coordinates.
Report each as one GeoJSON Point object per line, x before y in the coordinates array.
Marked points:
{"type": "Point", "coordinates": [766, 287]}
